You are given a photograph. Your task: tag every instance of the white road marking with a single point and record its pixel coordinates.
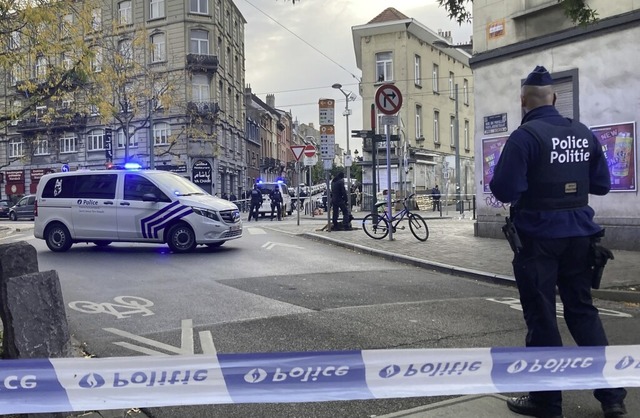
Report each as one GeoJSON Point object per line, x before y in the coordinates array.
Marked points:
{"type": "Point", "coordinates": [186, 343]}
{"type": "Point", "coordinates": [256, 231]}
{"type": "Point", "coordinates": [514, 303]}
{"type": "Point", "coordinates": [270, 245]}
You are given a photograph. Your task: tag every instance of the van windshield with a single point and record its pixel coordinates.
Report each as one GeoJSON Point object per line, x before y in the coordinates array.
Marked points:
{"type": "Point", "coordinates": [179, 186]}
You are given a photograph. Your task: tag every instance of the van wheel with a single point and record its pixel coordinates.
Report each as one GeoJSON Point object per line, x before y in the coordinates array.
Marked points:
{"type": "Point", "coordinates": [181, 238]}
{"type": "Point", "coordinates": [102, 243]}
{"type": "Point", "coordinates": [58, 238]}
{"type": "Point", "coordinates": [13, 216]}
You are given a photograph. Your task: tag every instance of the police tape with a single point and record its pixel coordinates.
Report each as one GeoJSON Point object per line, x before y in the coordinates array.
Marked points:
{"type": "Point", "coordinates": [78, 384]}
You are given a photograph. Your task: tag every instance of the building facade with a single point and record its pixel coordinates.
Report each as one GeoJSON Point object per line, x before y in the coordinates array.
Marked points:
{"type": "Point", "coordinates": [195, 50]}
{"type": "Point", "coordinates": [436, 118]}
{"type": "Point", "coordinates": [592, 67]}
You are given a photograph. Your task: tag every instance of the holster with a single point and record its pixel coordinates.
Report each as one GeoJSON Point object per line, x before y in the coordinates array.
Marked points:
{"type": "Point", "coordinates": [512, 236]}
{"type": "Point", "coordinates": [598, 257]}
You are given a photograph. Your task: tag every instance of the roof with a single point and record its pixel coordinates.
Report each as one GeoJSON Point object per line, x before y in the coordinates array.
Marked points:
{"type": "Point", "coordinates": [388, 15]}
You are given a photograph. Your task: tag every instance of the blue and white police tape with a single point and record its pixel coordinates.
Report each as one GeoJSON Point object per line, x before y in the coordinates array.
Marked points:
{"type": "Point", "coordinates": [78, 384]}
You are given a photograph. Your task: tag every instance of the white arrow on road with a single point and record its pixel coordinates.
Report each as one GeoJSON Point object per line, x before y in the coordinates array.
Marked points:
{"type": "Point", "coordinates": [186, 343]}
{"type": "Point", "coordinates": [270, 245]}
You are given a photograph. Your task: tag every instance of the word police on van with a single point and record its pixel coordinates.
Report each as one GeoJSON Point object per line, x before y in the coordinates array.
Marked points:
{"type": "Point", "coordinates": [151, 206]}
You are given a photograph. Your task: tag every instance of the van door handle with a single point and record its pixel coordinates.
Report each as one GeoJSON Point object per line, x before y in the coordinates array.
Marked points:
{"type": "Point", "coordinates": [125, 204]}
{"type": "Point", "coordinates": [108, 202]}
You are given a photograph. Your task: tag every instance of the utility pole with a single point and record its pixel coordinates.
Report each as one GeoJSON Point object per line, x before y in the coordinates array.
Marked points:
{"type": "Point", "coordinates": [456, 138]}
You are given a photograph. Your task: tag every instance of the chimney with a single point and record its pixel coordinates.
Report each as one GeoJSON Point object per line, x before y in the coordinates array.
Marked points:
{"type": "Point", "coordinates": [271, 100]}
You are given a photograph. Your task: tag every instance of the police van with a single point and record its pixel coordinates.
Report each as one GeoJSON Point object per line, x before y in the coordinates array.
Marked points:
{"type": "Point", "coordinates": [149, 206]}
{"type": "Point", "coordinates": [266, 188]}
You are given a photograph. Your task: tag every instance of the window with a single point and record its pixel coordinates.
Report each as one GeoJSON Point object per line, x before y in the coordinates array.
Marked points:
{"type": "Point", "coordinates": [41, 68]}
{"type": "Point", "coordinates": [435, 76]}
{"type": "Point", "coordinates": [417, 70]}
{"type": "Point", "coordinates": [66, 25]}
{"type": "Point", "coordinates": [466, 134]}
{"type": "Point", "coordinates": [68, 143]}
{"type": "Point", "coordinates": [465, 91]}
{"type": "Point", "coordinates": [199, 6]}
{"type": "Point", "coordinates": [93, 110]}
{"type": "Point", "coordinates": [161, 133]}
{"type": "Point", "coordinates": [200, 88]}
{"type": "Point", "coordinates": [67, 63]}
{"type": "Point", "coordinates": [41, 147]}
{"type": "Point", "coordinates": [16, 148]}
{"type": "Point", "coordinates": [136, 186]}
{"type": "Point", "coordinates": [158, 47]}
{"type": "Point", "coordinates": [125, 50]}
{"type": "Point", "coordinates": [436, 127]}
{"type": "Point", "coordinates": [452, 131]}
{"type": "Point", "coordinates": [17, 74]}
{"type": "Point", "coordinates": [95, 140]}
{"type": "Point", "coordinates": [59, 187]}
{"type": "Point", "coordinates": [96, 19]}
{"type": "Point", "coordinates": [199, 42]}
{"type": "Point", "coordinates": [125, 16]}
{"type": "Point", "coordinates": [14, 40]}
{"type": "Point", "coordinates": [452, 86]}
{"type": "Point", "coordinates": [384, 66]}
{"type": "Point", "coordinates": [156, 9]}
{"type": "Point", "coordinates": [418, 121]}
{"type": "Point", "coordinates": [96, 186]}
{"type": "Point", "coordinates": [96, 60]}
{"type": "Point", "coordinates": [133, 142]}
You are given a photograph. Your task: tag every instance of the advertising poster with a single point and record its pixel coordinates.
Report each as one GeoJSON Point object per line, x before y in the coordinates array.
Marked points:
{"type": "Point", "coordinates": [619, 145]}
{"type": "Point", "coordinates": [491, 150]}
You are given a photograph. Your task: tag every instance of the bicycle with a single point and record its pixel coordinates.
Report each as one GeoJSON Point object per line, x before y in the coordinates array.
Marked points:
{"type": "Point", "coordinates": [380, 228]}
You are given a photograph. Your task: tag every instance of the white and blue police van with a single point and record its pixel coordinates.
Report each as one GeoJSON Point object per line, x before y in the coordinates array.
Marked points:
{"type": "Point", "coordinates": [266, 187]}
{"type": "Point", "coordinates": [146, 206]}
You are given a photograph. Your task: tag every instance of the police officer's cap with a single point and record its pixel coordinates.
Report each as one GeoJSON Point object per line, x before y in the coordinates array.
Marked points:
{"type": "Point", "coordinates": [538, 77]}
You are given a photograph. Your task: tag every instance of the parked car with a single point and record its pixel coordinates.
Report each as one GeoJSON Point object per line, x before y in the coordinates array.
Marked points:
{"type": "Point", "coordinates": [5, 205]}
{"type": "Point", "coordinates": [25, 208]}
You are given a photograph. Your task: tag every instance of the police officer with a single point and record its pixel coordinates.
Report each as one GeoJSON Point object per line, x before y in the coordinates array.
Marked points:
{"type": "Point", "coordinates": [547, 169]}
{"type": "Point", "coordinates": [276, 202]}
{"type": "Point", "coordinates": [256, 202]}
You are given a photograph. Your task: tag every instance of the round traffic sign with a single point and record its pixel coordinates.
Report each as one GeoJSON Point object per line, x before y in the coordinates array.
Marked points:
{"type": "Point", "coordinates": [309, 150]}
{"type": "Point", "coordinates": [388, 99]}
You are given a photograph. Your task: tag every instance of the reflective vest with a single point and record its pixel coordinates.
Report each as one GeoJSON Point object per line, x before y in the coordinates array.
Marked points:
{"type": "Point", "coordinates": [560, 177]}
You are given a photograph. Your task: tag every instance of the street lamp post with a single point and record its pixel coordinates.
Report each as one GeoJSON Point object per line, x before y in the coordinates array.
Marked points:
{"type": "Point", "coordinates": [348, 97]}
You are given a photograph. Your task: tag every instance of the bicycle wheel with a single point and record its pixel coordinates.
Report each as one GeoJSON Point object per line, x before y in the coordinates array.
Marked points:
{"type": "Point", "coordinates": [377, 230]}
{"type": "Point", "coordinates": [418, 227]}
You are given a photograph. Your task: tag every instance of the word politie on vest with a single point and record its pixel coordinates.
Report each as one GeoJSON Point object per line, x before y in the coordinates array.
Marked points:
{"type": "Point", "coordinates": [570, 150]}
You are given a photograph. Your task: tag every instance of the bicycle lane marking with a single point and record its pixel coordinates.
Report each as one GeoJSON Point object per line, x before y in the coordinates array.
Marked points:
{"type": "Point", "coordinates": [124, 306]}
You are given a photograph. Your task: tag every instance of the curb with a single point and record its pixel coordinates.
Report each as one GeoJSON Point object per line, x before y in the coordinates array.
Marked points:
{"type": "Point", "coordinates": [611, 295]}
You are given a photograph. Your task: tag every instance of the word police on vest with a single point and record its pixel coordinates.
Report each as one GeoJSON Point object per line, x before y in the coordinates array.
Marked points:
{"type": "Point", "coordinates": [571, 150]}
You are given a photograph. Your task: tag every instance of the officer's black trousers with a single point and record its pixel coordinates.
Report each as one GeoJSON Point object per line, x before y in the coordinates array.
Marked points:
{"type": "Point", "coordinates": [542, 265]}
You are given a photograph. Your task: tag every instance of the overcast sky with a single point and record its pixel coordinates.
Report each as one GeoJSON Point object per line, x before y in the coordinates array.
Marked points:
{"type": "Point", "coordinates": [298, 51]}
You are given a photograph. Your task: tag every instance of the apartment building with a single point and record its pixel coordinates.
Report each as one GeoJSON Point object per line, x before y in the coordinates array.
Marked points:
{"type": "Point", "coordinates": [436, 119]}
{"type": "Point", "coordinates": [192, 51]}
{"type": "Point", "coordinates": [592, 67]}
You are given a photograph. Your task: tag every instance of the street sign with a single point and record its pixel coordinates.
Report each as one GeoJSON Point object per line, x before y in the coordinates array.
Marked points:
{"type": "Point", "coordinates": [326, 109]}
{"type": "Point", "coordinates": [64, 168]}
{"type": "Point", "coordinates": [389, 120]}
{"type": "Point", "coordinates": [297, 151]}
{"type": "Point", "coordinates": [388, 99]}
{"type": "Point", "coordinates": [309, 150]}
{"type": "Point", "coordinates": [327, 141]}
{"type": "Point", "coordinates": [308, 161]}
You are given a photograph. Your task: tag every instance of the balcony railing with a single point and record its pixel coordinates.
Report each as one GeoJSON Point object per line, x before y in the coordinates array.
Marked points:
{"type": "Point", "coordinates": [206, 110]}
{"type": "Point", "coordinates": [199, 62]}
{"type": "Point", "coordinates": [59, 123]}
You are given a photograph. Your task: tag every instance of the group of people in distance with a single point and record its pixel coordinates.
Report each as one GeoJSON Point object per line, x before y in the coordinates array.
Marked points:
{"type": "Point", "coordinates": [256, 200]}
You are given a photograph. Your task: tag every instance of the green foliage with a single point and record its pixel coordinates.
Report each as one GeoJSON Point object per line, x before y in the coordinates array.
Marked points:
{"type": "Point", "coordinates": [576, 10]}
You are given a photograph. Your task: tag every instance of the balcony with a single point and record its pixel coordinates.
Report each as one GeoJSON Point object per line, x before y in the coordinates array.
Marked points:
{"type": "Point", "coordinates": [204, 63]}
{"type": "Point", "coordinates": [206, 110]}
{"type": "Point", "coordinates": [61, 122]}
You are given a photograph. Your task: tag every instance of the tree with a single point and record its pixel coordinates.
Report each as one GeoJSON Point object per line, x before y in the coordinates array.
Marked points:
{"type": "Point", "coordinates": [576, 10]}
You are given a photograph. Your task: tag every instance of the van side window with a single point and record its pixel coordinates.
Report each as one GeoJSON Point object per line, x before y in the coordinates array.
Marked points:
{"type": "Point", "coordinates": [59, 187]}
{"type": "Point", "coordinates": [96, 186]}
{"type": "Point", "coordinates": [136, 186]}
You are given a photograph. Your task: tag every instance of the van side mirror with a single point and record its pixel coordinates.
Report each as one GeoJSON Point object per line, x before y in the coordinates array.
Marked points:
{"type": "Point", "coordinates": [149, 197]}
